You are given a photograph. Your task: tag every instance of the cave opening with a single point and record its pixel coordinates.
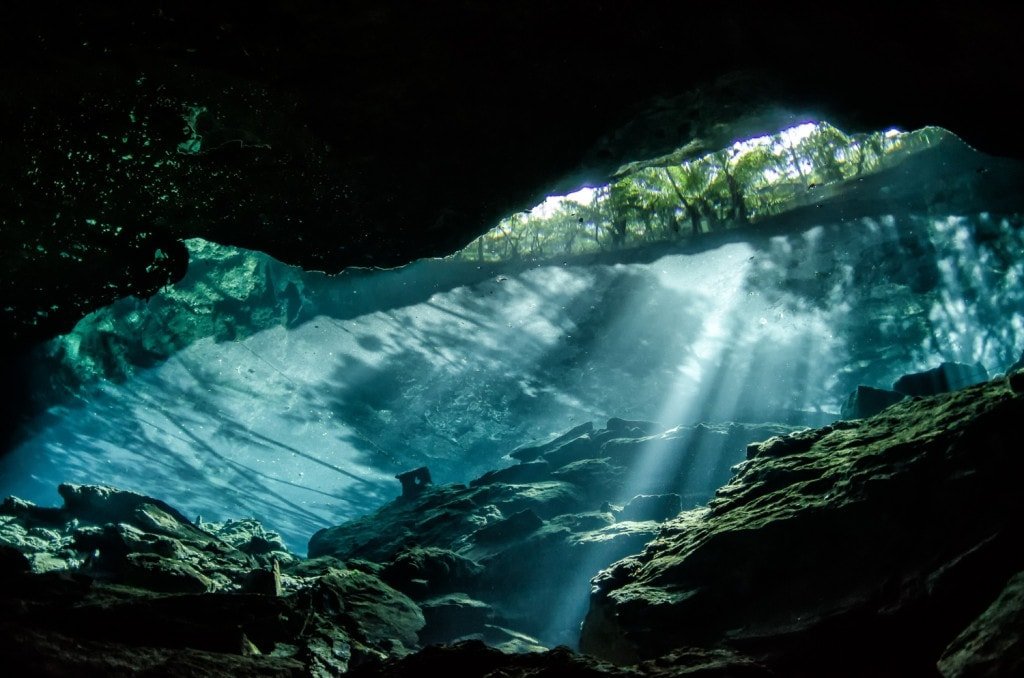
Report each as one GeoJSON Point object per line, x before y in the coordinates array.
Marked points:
{"type": "Point", "coordinates": [572, 378]}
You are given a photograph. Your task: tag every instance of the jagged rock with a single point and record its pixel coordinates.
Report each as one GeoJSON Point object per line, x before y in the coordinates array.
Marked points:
{"type": "Point", "coordinates": [627, 428]}
{"type": "Point", "coordinates": [876, 542]}
{"type": "Point", "coordinates": [165, 575]}
{"type": "Point", "coordinates": [657, 507]}
{"type": "Point", "coordinates": [534, 450]}
{"type": "Point", "coordinates": [546, 498]}
{"type": "Point", "coordinates": [942, 379]}
{"type": "Point", "coordinates": [585, 446]}
{"type": "Point", "coordinates": [380, 617]}
{"type": "Point", "coordinates": [44, 549]}
{"type": "Point", "coordinates": [440, 517]}
{"type": "Point", "coordinates": [125, 536]}
{"type": "Point", "coordinates": [157, 583]}
{"type": "Point", "coordinates": [99, 504]}
{"type": "Point", "coordinates": [867, 401]}
{"type": "Point", "coordinates": [249, 536]}
{"type": "Point", "coordinates": [518, 546]}
{"type": "Point", "coordinates": [993, 644]}
{"type": "Point", "coordinates": [340, 619]}
{"type": "Point", "coordinates": [529, 472]}
{"type": "Point", "coordinates": [579, 523]}
{"type": "Point", "coordinates": [329, 653]}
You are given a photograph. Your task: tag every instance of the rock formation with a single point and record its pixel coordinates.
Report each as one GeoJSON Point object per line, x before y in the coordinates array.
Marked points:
{"type": "Point", "coordinates": [881, 546]}
{"type": "Point", "coordinates": [116, 582]}
{"type": "Point", "coordinates": [866, 547]}
{"type": "Point", "coordinates": [516, 547]}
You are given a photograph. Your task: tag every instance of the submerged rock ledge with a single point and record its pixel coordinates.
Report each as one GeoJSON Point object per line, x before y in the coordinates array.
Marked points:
{"type": "Point", "coordinates": [882, 546]}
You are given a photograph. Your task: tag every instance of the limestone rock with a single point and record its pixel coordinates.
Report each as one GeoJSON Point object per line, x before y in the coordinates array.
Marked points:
{"type": "Point", "coordinates": [524, 540]}
{"type": "Point", "coordinates": [942, 379]}
{"type": "Point", "coordinates": [453, 616]}
{"type": "Point", "coordinates": [166, 575]}
{"type": "Point", "coordinates": [430, 571]}
{"type": "Point", "coordinates": [872, 541]}
{"type": "Point", "coordinates": [867, 401]}
{"type": "Point", "coordinates": [627, 428]}
{"type": "Point", "coordinates": [249, 536]}
{"type": "Point", "coordinates": [125, 537]}
{"type": "Point", "coordinates": [599, 478]}
{"type": "Point", "coordinates": [516, 526]}
{"type": "Point", "coordinates": [381, 617]}
{"type": "Point", "coordinates": [529, 472]}
{"type": "Point", "coordinates": [992, 644]}
{"type": "Point", "coordinates": [534, 450]}
{"type": "Point", "coordinates": [99, 504]}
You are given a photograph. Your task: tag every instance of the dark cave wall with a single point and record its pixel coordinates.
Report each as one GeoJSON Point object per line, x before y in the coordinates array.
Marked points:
{"type": "Point", "coordinates": [339, 134]}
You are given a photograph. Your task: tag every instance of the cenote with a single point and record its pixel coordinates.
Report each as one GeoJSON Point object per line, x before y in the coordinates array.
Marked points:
{"type": "Point", "coordinates": [738, 398]}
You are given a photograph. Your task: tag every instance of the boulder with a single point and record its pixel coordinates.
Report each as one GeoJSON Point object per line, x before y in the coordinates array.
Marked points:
{"type": "Point", "coordinates": [430, 570]}
{"type": "Point", "coordinates": [375, 614]}
{"type": "Point", "coordinates": [866, 401]}
{"type": "Point", "coordinates": [453, 616]}
{"type": "Point", "coordinates": [249, 536]}
{"type": "Point", "coordinates": [99, 504]}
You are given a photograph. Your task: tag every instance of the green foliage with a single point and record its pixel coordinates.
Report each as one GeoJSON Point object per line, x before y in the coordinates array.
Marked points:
{"type": "Point", "coordinates": [665, 200]}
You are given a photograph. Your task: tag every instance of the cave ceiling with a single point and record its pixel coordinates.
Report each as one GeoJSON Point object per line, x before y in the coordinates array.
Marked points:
{"type": "Point", "coordinates": [370, 134]}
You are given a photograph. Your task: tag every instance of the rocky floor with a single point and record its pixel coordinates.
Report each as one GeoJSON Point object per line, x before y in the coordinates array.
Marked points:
{"type": "Point", "coordinates": [881, 546]}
